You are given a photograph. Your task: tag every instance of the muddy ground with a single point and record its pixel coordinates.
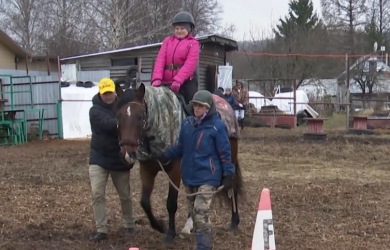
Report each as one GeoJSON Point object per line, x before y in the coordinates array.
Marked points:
{"type": "Point", "coordinates": [325, 195]}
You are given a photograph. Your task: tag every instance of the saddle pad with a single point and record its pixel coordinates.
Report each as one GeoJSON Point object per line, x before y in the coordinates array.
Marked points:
{"type": "Point", "coordinates": [227, 115]}
{"type": "Point", "coordinates": [165, 115]}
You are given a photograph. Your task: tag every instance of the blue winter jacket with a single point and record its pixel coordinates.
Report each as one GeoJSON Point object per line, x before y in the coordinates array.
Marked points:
{"type": "Point", "coordinates": [205, 151]}
{"type": "Point", "coordinates": [232, 101]}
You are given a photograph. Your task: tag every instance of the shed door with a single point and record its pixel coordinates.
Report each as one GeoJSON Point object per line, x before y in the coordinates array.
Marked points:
{"type": "Point", "coordinates": [211, 83]}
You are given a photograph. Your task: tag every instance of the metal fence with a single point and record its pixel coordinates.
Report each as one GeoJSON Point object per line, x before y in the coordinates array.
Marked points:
{"type": "Point", "coordinates": [38, 92]}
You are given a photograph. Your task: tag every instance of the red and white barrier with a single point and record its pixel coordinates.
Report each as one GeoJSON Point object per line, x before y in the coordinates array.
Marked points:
{"type": "Point", "coordinates": [264, 234]}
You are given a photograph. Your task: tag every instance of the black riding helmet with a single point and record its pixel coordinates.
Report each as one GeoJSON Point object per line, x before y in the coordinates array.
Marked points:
{"type": "Point", "coordinates": [183, 17]}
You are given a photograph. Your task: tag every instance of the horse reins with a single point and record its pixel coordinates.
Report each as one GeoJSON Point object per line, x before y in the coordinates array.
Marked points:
{"type": "Point", "coordinates": [144, 124]}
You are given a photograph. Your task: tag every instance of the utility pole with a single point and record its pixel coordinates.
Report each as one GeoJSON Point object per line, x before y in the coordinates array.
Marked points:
{"type": "Point", "coordinates": [347, 98]}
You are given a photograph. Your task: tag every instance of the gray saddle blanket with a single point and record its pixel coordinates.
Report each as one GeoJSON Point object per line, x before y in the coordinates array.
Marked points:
{"type": "Point", "coordinates": [165, 115]}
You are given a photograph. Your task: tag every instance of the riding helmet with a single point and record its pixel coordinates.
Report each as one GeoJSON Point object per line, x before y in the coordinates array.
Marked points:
{"type": "Point", "coordinates": [183, 17]}
{"type": "Point", "coordinates": [203, 97]}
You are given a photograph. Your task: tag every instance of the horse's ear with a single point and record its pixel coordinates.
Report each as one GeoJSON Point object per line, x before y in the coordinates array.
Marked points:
{"type": "Point", "coordinates": [118, 89]}
{"type": "Point", "coordinates": [140, 93]}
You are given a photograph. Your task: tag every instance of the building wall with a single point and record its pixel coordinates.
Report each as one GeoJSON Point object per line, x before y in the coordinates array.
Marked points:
{"type": "Point", "coordinates": [7, 58]}
{"type": "Point", "coordinates": [211, 54]}
{"type": "Point", "coordinates": [40, 65]}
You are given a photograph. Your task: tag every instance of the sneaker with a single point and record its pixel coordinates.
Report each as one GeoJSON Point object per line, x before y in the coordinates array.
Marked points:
{"type": "Point", "coordinates": [99, 237]}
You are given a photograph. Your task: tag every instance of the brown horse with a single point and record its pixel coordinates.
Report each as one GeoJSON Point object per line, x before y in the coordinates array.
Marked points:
{"type": "Point", "coordinates": [151, 117]}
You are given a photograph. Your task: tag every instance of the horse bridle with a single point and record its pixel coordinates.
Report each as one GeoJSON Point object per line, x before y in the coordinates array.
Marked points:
{"type": "Point", "coordinates": [140, 139]}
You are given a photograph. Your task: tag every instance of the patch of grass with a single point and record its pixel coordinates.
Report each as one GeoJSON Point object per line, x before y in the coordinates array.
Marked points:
{"type": "Point", "coordinates": [335, 121]}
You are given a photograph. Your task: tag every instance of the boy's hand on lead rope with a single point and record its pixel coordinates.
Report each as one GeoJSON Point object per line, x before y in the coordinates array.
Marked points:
{"type": "Point", "coordinates": [227, 181]}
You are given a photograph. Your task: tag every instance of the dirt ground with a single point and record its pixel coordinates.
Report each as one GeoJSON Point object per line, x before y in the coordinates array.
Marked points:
{"type": "Point", "coordinates": [325, 195]}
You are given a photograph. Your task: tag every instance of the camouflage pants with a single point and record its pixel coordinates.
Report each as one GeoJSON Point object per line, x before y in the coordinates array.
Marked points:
{"type": "Point", "coordinates": [199, 207]}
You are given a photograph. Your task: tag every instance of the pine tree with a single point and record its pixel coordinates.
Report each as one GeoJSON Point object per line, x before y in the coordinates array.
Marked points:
{"type": "Point", "coordinates": [301, 19]}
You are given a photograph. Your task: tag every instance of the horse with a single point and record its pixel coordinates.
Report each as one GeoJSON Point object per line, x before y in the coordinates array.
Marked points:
{"type": "Point", "coordinates": [149, 116]}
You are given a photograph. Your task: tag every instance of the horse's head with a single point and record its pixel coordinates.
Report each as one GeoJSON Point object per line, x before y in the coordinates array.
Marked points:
{"type": "Point", "coordinates": [131, 115]}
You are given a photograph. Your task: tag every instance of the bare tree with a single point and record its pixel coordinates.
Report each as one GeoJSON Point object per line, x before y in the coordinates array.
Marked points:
{"type": "Point", "coordinates": [345, 17]}
{"type": "Point", "coordinates": [66, 29]}
{"type": "Point", "coordinates": [130, 22]}
{"type": "Point", "coordinates": [23, 19]}
{"type": "Point", "coordinates": [206, 14]}
{"type": "Point", "coordinates": [298, 33]}
{"type": "Point", "coordinates": [159, 21]}
{"type": "Point", "coordinates": [378, 27]}
{"type": "Point", "coordinates": [227, 31]}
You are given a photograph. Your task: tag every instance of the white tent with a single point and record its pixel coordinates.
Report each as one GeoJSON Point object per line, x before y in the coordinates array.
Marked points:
{"type": "Point", "coordinates": [287, 105]}
{"type": "Point", "coordinates": [258, 100]}
{"type": "Point", "coordinates": [76, 102]}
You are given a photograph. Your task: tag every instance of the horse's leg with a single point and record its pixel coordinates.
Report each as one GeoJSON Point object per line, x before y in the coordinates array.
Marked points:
{"type": "Point", "coordinates": [175, 176]}
{"type": "Point", "coordinates": [235, 219]}
{"type": "Point", "coordinates": [148, 174]}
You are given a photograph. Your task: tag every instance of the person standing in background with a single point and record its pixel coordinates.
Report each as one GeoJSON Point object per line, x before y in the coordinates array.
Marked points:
{"type": "Point", "coordinates": [242, 97]}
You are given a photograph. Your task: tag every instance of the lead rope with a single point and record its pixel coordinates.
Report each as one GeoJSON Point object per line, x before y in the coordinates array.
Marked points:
{"type": "Point", "coordinates": [219, 189]}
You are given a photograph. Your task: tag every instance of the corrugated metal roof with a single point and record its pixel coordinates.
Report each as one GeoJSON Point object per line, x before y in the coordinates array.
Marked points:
{"type": "Point", "coordinates": [215, 38]}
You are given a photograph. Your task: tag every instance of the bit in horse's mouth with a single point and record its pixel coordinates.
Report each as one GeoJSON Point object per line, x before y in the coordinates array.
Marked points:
{"type": "Point", "coordinates": [130, 160]}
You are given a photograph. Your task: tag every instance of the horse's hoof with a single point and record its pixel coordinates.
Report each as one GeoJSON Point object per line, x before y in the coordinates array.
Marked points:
{"type": "Point", "coordinates": [169, 245]}
{"type": "Point", "coordinates": [160, 226]}
{"type": "Point", "coordinates": [170, 239]}
{"type": "Point", "coordinates": [234, 230]}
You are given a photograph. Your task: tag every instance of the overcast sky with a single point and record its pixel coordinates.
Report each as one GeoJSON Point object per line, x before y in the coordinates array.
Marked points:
{"type": "Point", "coordinates": [258, 16]}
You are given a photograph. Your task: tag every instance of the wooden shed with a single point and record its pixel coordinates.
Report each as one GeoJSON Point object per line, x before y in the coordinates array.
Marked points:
{"type": "Point", "coordinates": [118, 62]}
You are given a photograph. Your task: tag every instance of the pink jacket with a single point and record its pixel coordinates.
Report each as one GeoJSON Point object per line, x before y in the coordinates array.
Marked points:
{"type": "Point", "coordinates": [180, 52]}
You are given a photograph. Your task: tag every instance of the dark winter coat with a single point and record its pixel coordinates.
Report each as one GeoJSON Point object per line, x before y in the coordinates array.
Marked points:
{"type": "Point", "coordinates": [205, 151]}
{"type": "Point", "coordinates": [104, 143]}
{"type": "Point", "coordinates": [232, 101]}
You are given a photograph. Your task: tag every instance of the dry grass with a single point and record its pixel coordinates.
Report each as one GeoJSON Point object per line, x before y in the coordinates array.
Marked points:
{"type": "Point", "coordinates": [325, 195]}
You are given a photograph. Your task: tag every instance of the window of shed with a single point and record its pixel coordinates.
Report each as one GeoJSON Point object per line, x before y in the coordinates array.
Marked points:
{"type": "Point", "coordinates": [123, 61]}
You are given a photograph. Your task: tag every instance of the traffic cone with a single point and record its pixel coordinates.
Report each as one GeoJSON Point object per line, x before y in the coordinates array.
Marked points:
{"type": "Point", "coordinates": [264, 234]}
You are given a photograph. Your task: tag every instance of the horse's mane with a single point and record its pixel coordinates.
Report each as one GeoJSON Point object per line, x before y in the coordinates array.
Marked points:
{"type": "Point", "coordinates": [126, 97]}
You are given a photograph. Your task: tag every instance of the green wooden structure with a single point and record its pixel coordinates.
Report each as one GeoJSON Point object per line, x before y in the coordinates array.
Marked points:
{"type": "Point", "coordinates": [13, 120]}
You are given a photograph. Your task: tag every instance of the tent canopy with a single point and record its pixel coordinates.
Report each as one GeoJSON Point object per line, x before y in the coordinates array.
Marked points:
{"type": "Point", "coordinates": [258, 100]}
{"type": "Point", "coordinates": [76, 102]}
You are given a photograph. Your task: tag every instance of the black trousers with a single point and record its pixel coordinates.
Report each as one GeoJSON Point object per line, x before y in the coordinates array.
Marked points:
{"type": "Point", "coordinates": [188, 89]}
